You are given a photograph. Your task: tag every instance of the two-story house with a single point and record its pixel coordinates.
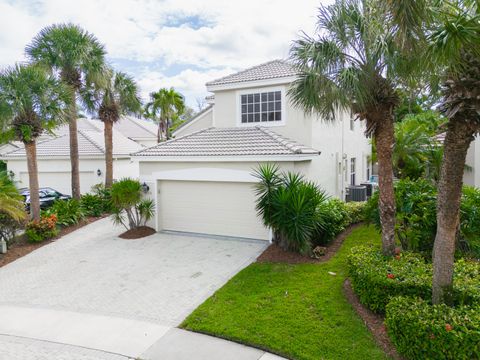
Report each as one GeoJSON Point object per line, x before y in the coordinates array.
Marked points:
{"type": "Point", "coordinates": [202, 179]}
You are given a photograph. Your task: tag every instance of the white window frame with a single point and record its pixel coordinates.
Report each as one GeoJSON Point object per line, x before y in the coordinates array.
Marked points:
{"type": "Point", "coordinates": [238, 95]}
{"type": "Point", "coordinates": [353, 171]}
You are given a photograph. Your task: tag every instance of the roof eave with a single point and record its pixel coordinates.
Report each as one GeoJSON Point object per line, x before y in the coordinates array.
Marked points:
{"type": "Point", "coordinates": [212, 87]}
{"type": "Point", "coordinates": [227, 158]}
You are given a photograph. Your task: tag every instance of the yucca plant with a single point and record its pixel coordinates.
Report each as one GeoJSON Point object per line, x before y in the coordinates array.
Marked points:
{"type": "Point", "coordinates": [289, 205]}
{"type": "Point", "coordinates": [130, 210]}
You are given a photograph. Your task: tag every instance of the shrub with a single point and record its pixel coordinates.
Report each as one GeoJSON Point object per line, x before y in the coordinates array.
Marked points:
{"type": "Point", "coordinates": [416, 221]}
{"type": "Point", "coordinates": [376, 278]}
{"type": "Point", "coordinates": [9, 227]}
{"type": "Point", "coordinates": [423, 331]}
{"type": "Point", "coordinates": [92, 205]}
{"type": "Point", "coordinates": [289, 205]}
{"type": "Point", "coordinates": [68, 212]}
{"type": "Point", "coordinates": [356, 211]}
{"type": "Point", "coordinates": [129, 208]}
{"type": "Point", "coordinates": [44, 229]}
{"type": "Point", "coordinates": [106, 196]}
{"type": "Point", "coordinates": [332, 219]}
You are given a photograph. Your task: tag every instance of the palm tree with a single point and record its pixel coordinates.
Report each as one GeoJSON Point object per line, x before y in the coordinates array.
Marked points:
{"type": "Point", "coordinates": [453, 51]}
{"type": "Point", "coordinates": [165, 105]}
{"type": "Point", "coordinates": [455, 48]}
{"type": "Point", "coordinates": [353, 65]}
{"type": "Point", "coordinates": [119, 96]}
{"type": "Point", "coordinates": [31, 101]}
{"type": "Point", "coordinates": [77, 58]}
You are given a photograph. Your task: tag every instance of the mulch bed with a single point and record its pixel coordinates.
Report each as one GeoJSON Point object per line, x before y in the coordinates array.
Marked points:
{"type": "Point", "coordinates": [275, 254]}
{"type": "Point", "coordinates": [137, 233]}
{"type": "Point", "coordinates": [374, 322]}
{"type": "Point", "coordinates": [22, 247]}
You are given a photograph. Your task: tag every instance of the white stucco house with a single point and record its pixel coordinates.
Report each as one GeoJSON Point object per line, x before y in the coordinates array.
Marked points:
{"type": "Point", "coordinates": [202, 179]}
{"type": "Point", "coordinates": [53, 154]}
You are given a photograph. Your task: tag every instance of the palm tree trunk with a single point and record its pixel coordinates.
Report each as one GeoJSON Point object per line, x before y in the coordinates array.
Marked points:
{"type": "Point", "coordinates": [159, 133]}
{"type": "Point", "coordinates": [31, 151]}
{"type": "Point", "coordinates": [384, 138]}
{"type": "Point", "coordinates": [74, 157]}
{"type": "Point", "coordinates": [457, 141]}
{"type": "Point", "coordinates": [107, 132]}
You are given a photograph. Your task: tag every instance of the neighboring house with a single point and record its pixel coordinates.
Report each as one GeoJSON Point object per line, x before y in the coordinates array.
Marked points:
{"type": "Point", "coordinates": [53, 155]}
{"type": "Point", "coordinates": [202, 179]}
{"type": "Point", "coordinates": [5, 148]}
{"type": "Point", "coordinates": [471, 173]}
{"type": "Point", "coordinates": [141, 131]}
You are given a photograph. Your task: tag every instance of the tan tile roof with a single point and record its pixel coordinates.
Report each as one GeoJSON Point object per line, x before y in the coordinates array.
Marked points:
{"type": "Point", "coordinates": [270, 70]}
{"type": "Point", "coordinates": [90, 143]}
{"type": "Point", "coordinates": [228, 142]}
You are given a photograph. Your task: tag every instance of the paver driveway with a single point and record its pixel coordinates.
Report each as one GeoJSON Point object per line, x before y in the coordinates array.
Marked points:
{"type": "Point", "coordinates": [95, 290]}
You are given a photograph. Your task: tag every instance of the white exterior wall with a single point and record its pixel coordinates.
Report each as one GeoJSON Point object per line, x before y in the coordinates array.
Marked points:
{"type": "Point", "coordinates": [55, 173]}
{"type": "Point", "coordinates": [204, 121]}
{"type": "Point", "coordinates": [472, 176]}
{"type": "Point", "coordinates": [335, 140]}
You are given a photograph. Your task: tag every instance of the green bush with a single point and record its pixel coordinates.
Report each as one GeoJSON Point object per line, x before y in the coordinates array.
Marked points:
{"type": "Point", "coordinates": [38, 231]}
{"type": "Point", "coordinates": [68, 212]}
{"type": "Point", "coordinates": [289, 205]}
{"type": "Point", "coordinates": [416, 221]}
{"type": "Point", "coordinates": [356, 211]}
{"type": "Point", "coordinates": [106, 196]}
{"type": "Point", "coordinates": [130, 210]}
{"type": "Point", "coordinates": [92, 205]}
{"type": "Point", "coordinates": [332, 218]}
{"type": "Point", "coordinates": [376, 278]}
{"type": "Point", "coordinates": [423, 331]}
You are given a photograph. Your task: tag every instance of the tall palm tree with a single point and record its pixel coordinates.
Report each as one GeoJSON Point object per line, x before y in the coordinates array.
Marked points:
{"type": "Point", "coordinates": [453, 52]}
{"type": "Point", "coordinates": [77, 58]}
{"type": "Point", "coordinates": [165, 105]}
{"type": "Point", "coordinates": [353, 64]}
{"type": "Point", "coordinates": [31, 101]}
{"type": "Point", "coordinates": [119, 96]}
{"type": "Point", "coordinates": [455, 47]}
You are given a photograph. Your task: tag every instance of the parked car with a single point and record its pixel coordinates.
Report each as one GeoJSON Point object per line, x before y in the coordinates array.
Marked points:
{"type": "Point", "coordinates": [47, 197]}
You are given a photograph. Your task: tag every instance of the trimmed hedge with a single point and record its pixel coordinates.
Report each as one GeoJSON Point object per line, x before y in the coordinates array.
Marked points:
{"type": "Point", "coordinates": [423, 331]}
{"type": "Point", "coordinates": [376, 278]}
{"type": "Point", "coordinates": [356, 211]}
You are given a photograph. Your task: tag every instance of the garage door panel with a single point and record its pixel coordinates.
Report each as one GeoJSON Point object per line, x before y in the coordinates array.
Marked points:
{"type": "Point", "coordinates": [220, 208]}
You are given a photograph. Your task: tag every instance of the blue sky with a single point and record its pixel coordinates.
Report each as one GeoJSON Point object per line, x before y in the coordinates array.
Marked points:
{"type": "Point", "coordinates": [163, 43]}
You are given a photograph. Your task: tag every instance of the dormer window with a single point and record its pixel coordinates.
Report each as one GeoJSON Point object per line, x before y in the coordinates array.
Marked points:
{"type": "Point", "coordinates": [261, 107]}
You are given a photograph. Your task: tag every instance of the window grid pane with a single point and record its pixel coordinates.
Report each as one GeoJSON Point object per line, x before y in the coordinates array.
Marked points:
{"type": "Point", "coordinates": [261, 107]}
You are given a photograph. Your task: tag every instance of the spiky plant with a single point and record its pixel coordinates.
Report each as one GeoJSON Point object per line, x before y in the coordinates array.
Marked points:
{"type": "Point", "coordinates": [77, 58]}
{"type": "Point", "coordinates": [31, 101]}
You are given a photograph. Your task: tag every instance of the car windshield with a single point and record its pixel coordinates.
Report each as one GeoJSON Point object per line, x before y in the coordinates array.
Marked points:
{"type": "Point", "coordinates": [51, 192]}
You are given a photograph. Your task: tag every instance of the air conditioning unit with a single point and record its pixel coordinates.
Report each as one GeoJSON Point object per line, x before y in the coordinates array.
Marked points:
{"type": "Point", "coordinates": [356, 193]}
{"type": "Point", "coordinates": [369, 187]}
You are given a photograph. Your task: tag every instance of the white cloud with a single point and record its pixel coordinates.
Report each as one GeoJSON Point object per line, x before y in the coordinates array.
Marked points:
{"type": "Point", "coordinates": [230, 35]}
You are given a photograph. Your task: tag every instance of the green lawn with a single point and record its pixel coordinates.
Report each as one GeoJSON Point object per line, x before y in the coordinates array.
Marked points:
{"type": "Point", "coordinates": [297, 311]}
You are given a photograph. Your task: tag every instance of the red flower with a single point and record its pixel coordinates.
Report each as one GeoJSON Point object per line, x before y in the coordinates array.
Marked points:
{"type": "Point", "coordinates": [398, 251]}
{"type": "Point", "coordinates": [448, 327]}
{"type": "Point", "coordinates": [397, 257]}
{"type": "Point", "coordinates": [390, 276]}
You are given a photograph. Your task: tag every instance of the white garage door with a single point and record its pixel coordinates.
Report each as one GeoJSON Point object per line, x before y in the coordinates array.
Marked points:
{"type": "Point", "coordinates": [218, 208]}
